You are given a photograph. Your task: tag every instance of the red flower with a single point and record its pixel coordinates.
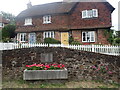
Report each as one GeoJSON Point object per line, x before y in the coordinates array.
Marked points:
{"type": "Point", "coordinates": [47, 66]}
{"type": "Point", "coordinates": [28, 66]}
{"type": "Point", "coordinates": [33, 65]}
{"type": "Point", "coordinates": [63, 65]}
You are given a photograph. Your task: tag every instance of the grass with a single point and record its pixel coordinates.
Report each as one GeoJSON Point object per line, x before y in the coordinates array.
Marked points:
{"type": "Point", "coordinates": [68, 84]}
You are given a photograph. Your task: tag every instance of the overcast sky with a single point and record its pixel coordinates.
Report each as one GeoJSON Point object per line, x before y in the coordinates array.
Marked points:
{"type": "Point", "coordinates": [16, 6]}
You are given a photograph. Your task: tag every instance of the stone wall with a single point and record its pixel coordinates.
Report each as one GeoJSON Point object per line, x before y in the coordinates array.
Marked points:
{"type": "Point", "coordinates": [77, 62]}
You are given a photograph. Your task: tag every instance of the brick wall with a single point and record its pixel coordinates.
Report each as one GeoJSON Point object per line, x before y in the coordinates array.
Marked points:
{"type": "Point", "coordinates": [58, 22]}
{"type": "Point", "coordinates": [103, 20]}
{"type": "Point", "coordinates": [77, 62]}
{"type": "Point", "coordinates": [71, 21]}
{"type": "Point", "coordinates": [100, 37]}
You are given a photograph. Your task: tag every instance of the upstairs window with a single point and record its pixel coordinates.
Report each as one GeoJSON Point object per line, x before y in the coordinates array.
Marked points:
{"type": "Point", "coordinates": [46, 19]}
{"type": "Point", "coordinates": [28, 21]}
{"type": "Point", "coordinates": [90, 13]}
{"type": "Point", "coordinates": [88, 36]}
{"type": "Point", "coordinates": [49, 34]}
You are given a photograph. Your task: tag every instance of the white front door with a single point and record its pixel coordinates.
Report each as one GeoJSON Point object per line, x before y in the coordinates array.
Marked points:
{"type": "Point", "coordinates": [32, 38]}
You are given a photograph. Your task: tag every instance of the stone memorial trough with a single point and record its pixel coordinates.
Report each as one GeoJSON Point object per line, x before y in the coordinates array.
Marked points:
{"type": "Point", "coordinates": [45, 74]}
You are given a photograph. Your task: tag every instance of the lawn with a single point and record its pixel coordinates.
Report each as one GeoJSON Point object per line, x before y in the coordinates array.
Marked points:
{"type": "Point", "coordinates": [11, 80]}
{"type": "Point", "coordinates": [68, 84]}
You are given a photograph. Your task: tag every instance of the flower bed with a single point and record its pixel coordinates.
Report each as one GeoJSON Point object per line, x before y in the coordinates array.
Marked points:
{"type": "Point", "coordinates": [45, 66]}
{"type": "Point", "coordinates": [41, 72]}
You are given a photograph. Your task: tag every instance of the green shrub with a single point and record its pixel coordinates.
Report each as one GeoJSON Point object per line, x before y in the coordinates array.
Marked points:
{"type": "Point", "coordinates": [117, 41]}
{"type": "Point", "coordinates": [51, 41]}
{"type": "Point", "coordinates": [71, 39]}
{"type": "Point", "coordinates": [75, 43]}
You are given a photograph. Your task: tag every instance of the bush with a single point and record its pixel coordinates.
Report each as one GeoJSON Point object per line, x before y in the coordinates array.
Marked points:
{"type": "Point", "coordinates": [75, 43]}
{"type": "Point", "coordinates": [51, 41]}
{"type": "Point", "coordinates": [117, 41]}
{"type": "Point", "coordinates": [71, 39]}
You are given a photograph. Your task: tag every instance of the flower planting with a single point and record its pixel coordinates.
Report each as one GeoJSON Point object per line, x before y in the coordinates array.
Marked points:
{"type": "Point", "coordinates": [45, 66]}
{"type": "Point", "coordinates": [101, 68]}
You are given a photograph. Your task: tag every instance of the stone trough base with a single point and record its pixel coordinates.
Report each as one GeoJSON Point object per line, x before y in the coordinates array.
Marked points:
{"type": "Point", "coordinates": [45, 74]}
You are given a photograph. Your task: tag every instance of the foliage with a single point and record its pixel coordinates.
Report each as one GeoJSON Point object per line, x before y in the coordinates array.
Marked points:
{"type": "Point", "coordinates": [8, 32]}
{"type": "Point", "coordinates": [71, 39]}
{"type": "Point", "coordinates": [8, 16]}
{"type": "Point", "coordinates": [118, 34]}
{"type": "Point", "coordinates": [117, 38]}
{"type": "Point", "coordinates": [102, 68]}
{"type": "Point", "coordinates": [44, 67]}
{"type": "Point", "coordinates": [109, 33]}
{"type": "Point", "coordinates": [51, 41]}
{"type": "Point", "coordinates": [117, 41]}
{"type": "Point", "coordinates": [73, 42]}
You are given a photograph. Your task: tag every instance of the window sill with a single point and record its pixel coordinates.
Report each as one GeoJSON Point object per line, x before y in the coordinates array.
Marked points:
{"type": "Point", "coordinates": [91, 18]}
{"type": "Point", "coordinates": [88, 42]}
{"type": "Point", "coordinates": [47, 23]}
{"type": "Point", "coordinates": [22, 41]}
{"type": "Point", "coordinates": [28, 24]}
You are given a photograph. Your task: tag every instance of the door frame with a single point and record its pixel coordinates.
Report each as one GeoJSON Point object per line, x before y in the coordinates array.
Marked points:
{"type": "Point", "coordinates": [68, 36]}
{"type": "Point", "coordinates": [35, 36]}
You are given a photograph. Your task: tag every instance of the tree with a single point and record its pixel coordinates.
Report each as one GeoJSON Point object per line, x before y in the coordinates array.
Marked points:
{"type": "Point", "coordinates": [8, 16]}
{"type": "Point", "coordinates": [8, 32]}
{"type": "Point", "coordinates": [117, 38]}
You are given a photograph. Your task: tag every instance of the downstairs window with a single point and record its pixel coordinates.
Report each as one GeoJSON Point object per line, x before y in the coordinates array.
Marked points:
{"type": "Point", "coordinates": [88, 36]}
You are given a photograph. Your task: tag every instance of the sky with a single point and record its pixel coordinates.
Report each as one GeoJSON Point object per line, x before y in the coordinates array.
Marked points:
{"type": "Point", "coordinates": [16, 6]}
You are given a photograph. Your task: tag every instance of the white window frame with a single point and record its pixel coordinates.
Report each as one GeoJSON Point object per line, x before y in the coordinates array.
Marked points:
{"type": "Point", "coordinates": [46, 19]}
{"type": "Point", "coordinates": [49, 34]}
{"type": "Point", "coordinates": [28, 21]}
{"type": "Point", "coordinates": [1, 24]}
{"type": "Point", "coordinates": [90, 34]}
{"type": "Point", "coordinates": [23, 38]}
{"type": "Point", "coordinates": [93, 13]}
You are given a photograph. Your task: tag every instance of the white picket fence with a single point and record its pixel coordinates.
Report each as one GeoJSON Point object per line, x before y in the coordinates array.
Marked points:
{"type": "Point", "coordinates": [104, 49]}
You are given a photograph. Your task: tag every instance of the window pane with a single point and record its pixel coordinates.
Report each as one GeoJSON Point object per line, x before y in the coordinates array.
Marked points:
{"type": "Point", "coordinates": [95, 12]}
{"type": "Point", "coordinates": [90, 14]}
{"type": "Point", "coordinates": [49, 34]}
{"type": "Point", "coordinates": [88, 36]}
{"type": "Point", "coordinates": [24, 39]}
{"type": "Point", "coordinates": [0, 24]}
{"type": "Point", "coordinates": [84, 35]}
{"type": "Point", "coordinates": [21, 37]}
{"type": "Point", "coordinates": [92, 36]}
{"type": "Point", "coordinates": [47, 19]}
{"type": "Point", "coordinates": [28, 21]}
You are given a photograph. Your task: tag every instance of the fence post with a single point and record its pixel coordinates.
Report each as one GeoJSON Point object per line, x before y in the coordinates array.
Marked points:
{"type": "Point", "coordinates": [93, 48]}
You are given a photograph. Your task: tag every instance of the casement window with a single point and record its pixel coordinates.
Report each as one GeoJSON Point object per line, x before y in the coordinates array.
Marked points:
{"type": "Point", "coordinates": [1, 25]}
{"type": "Point", "coordinates": [90, 13]}
{"type": "Point", "coordinates": [46, 19]}
{"type": "Point", "coordinates": [88, 36]}
{"type": "Point", "coordinates": [22, 37]}
{"type": "Point", "coordinates": [49, 34]}
{"type": "Point", "coordinates": [28, 21]}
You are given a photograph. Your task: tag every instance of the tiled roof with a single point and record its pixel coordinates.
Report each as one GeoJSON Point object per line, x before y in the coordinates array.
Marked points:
{"type": "Point", "coordinates": [44, 9]}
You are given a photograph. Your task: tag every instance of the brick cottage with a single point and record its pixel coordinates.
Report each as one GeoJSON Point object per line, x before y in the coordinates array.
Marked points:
{"type": "Point", "coordinates": [84, 21]}
{"type": "Point", "coordinates": [3, 22]}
